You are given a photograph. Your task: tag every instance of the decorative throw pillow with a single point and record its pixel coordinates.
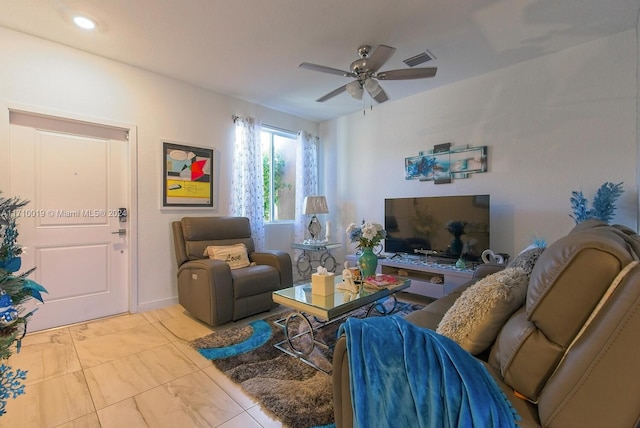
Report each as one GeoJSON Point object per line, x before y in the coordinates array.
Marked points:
{"type": "Point", "coordinates": [527, 259]}
{"type": "Point", "coordinates": [235, 255]}
{"type": "Point", "coordinates": [476, 317]}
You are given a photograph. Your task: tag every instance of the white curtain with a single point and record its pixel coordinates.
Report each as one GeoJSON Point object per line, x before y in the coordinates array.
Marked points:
{"type": "Point", "coordinates": [247, 187]}
{"type": "Point", "coordinates": [306, 179]}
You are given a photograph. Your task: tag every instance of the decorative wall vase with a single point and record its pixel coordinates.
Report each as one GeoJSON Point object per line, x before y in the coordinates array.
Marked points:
{"type": "Point", "coordinates": [368, 262]}
{"type": "Point", "coordinates": [12, 265]}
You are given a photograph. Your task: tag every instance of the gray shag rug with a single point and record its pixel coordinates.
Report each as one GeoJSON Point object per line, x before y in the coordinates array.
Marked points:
{"type": "Point", "coordinates": [293, 391]}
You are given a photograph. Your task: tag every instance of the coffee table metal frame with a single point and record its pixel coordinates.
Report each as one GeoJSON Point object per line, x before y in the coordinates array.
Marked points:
{"type": "Point", "coordinates": [314, 255]}
{"type": "Point", "coordinates": [327, 310]}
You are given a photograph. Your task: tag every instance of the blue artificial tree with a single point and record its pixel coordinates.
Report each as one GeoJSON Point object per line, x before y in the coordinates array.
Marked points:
{"type": "Point", "coordinates": [603, 207]}
{"type": "Point", "coordinates": [15, 290]}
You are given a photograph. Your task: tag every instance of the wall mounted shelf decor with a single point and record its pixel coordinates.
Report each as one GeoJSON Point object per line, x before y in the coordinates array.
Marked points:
{"type": "Point", "coordinates": [442, 164]}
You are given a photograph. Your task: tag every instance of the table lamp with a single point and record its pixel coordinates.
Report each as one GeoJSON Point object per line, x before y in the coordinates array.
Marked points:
{"type": "Point", "coordinates": [315, 205]}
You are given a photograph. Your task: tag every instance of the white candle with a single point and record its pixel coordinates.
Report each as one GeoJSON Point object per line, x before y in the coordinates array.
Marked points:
{"type": "Point", "coordinates": [327, 229]}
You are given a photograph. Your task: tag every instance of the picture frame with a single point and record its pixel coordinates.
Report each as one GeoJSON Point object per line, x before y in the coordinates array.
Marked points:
{"type": "Point", "coordinates": [472, 159]}
{"type": "Point", "coordinates": [418, 167]}
{"type": "Point", "coordinates": [444, 163]}
{"type": "Point", "coordinates": [187, 176]}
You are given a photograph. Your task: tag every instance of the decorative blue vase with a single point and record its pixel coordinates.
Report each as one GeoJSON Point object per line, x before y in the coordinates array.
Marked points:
{"type": "Point", "coordinates": [368, 262]}
{"type": "Point", "coordinates": [11, 265]}
{"type": "Point", "coordinates": [456, 245]}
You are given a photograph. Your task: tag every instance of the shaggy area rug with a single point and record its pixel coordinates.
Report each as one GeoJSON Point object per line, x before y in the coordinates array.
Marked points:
{"type": "Point", "coordinates": [293, 391]}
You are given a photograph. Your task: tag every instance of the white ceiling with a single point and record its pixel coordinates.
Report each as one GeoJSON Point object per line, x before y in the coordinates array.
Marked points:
{"type": "Point", "coordinates": [251, 49]}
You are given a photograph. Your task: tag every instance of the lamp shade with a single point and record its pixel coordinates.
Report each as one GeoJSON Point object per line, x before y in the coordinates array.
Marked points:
{"type": "Point", "coordinates": [315, 205]}
{"type": "Point", "coordinates": [372, 87]}
{"type": "Point", "coordinates": [354, 89]}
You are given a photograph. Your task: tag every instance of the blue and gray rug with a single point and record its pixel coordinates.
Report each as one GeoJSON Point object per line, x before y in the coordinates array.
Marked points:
{"type": "Point", "coordinates": [294, 392]}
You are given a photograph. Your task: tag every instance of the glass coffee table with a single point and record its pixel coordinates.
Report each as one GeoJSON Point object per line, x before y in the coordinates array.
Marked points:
{"type": "Point", "coordinates": [314, 312]}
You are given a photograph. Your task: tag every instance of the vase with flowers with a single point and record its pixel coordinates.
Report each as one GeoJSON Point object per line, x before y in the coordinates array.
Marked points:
{"type": "Point", "coordinates": [366, 236]}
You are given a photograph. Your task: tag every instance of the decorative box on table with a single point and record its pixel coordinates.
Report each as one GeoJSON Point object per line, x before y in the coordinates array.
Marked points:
{"type": "Point", "coordinates": [322, 282]}
{"type": "Point", "coordinates": [323, 301]}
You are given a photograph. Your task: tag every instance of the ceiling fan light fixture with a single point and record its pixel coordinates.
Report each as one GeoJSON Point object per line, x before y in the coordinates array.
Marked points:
{"type": "Point", "coordinates": [372, 87]}
{"type": "Point", "coordinates": [355, 89]}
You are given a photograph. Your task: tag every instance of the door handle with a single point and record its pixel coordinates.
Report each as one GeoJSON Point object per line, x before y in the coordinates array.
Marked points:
{"type": "Point", "coordinates": [120, 232]}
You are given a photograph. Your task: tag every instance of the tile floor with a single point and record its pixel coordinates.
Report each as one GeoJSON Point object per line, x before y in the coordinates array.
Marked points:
{"type": "Point", "coordinates": [131, 370]}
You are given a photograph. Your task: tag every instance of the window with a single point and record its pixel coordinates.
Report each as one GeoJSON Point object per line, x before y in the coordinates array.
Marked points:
{"type": "Point", "coordinates": [279, 173]}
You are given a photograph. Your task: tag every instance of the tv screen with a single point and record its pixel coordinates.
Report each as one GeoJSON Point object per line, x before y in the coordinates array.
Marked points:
{"type": "Point", "coordinates": [450, 226]}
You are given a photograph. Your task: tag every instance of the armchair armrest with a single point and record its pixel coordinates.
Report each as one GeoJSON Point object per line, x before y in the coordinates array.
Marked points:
{"type": "Point", "coordinates": [205, 288]}
{"type": "Point", "coordinates": [218, 267]}
{"type": "Point", "coordinates": [278, 259]}
{"type": "Point", "coordinates": [486, 269]}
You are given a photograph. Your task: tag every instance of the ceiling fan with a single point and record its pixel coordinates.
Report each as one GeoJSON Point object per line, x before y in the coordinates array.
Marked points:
{"type": "Point", "coordinates": [366, 74]}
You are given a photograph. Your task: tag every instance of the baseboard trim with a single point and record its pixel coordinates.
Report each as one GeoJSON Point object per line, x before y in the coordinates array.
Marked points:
{"type": "Point", "coordinates": [157, 304]}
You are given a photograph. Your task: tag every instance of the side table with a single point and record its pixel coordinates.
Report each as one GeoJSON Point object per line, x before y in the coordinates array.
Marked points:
{"type": "Point", "coordinates": [314, 255]}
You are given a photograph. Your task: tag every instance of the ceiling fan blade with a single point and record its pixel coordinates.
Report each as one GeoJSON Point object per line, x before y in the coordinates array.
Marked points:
{"type": "Point", "coordinates": [332, 94]}
{"type": "Point", "coordinates": [381, 96]}
{"type": "Point", "coordinates": [379, 57]}
{"type": "Point", "coordinates": [375, 90]}
{"type": "Point", "coordinates": [406, 74]}
{"type": "Point", "coordinates": [323, 69]}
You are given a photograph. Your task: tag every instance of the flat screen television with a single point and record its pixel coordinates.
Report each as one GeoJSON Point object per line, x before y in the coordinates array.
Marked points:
{"type": "Point", "coordinates": [448, 226]}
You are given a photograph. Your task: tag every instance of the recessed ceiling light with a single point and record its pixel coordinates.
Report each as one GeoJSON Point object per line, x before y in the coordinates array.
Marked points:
{"type": "Point", "coordinates": [84, 22]}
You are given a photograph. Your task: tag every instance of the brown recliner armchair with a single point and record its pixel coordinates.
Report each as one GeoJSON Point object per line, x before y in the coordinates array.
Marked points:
{"type": "Point", "coordinates": [208, 288]}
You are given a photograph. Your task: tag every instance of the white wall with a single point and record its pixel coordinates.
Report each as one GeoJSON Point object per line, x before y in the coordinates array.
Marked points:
{"type": "Point", "coordinates": [66, 81]}
{"type": "Point", "coordinates": [563, 122]}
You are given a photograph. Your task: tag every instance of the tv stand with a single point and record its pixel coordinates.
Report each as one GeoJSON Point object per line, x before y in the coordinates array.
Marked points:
{"type": "Point", "coordinates": [428, 278]}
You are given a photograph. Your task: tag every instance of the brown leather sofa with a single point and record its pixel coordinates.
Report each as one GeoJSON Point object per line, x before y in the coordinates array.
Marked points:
{"type": "Point", "coordinates": [209, 289]}
{"type": "Point", "coordinates": [570, 356]}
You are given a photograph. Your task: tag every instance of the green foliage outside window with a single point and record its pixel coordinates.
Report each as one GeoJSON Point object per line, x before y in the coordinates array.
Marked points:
{"type": "Point", "coordinates": [278, 181]}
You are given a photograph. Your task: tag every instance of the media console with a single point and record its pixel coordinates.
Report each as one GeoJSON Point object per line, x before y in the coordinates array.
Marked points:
{"type": "Point", "coordinates": [428, 278]}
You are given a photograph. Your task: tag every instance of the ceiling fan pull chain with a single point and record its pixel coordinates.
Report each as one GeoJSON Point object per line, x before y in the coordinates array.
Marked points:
{"type": "Point", "coordinates": [364, 106]}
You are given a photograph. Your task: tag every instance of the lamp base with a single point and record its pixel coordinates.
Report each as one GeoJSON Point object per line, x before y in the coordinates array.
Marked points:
{"type": "Point", "coordinates": [314, 228]}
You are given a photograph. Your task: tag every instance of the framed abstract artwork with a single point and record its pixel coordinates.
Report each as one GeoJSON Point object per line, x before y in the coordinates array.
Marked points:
{"type": "Point", "coordinates": [444, 163]}
{"type": "Point", "coordinates": [418, 167]}
{"type": "Point", "coordinates": [187, 176]}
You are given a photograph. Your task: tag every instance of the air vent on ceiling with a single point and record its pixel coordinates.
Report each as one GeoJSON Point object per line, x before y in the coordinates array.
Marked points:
{"type": "Point", "coordinates": [419, 59]}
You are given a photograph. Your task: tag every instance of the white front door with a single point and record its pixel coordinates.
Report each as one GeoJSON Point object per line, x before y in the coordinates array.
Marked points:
{"type": "Point", "coordinates": [72, 228]}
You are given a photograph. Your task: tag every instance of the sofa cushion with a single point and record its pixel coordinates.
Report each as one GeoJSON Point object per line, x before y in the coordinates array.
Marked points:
{"type": "Point", "coordinates": [235, 255]}
{"type": "Point", "coordinates": [527, 259]}
{"type": "Point", "coordinates": [477, 315]}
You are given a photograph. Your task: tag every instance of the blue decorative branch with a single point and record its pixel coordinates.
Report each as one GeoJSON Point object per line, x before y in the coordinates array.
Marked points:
{"type": "Point", "coordinates": [10, 385]}
{"type": "Point", "coordinates": [579, 205]}
{"type": "Point", "coordinates": [604, 203]}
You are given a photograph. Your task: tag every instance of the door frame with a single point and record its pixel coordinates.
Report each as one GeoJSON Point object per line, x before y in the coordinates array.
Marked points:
{"type": "Point", "coordinates": [132, 176]}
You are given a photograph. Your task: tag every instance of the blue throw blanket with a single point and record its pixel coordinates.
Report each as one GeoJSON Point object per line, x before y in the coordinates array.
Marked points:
{"type": "Point", "coordinates": [406, 376]}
